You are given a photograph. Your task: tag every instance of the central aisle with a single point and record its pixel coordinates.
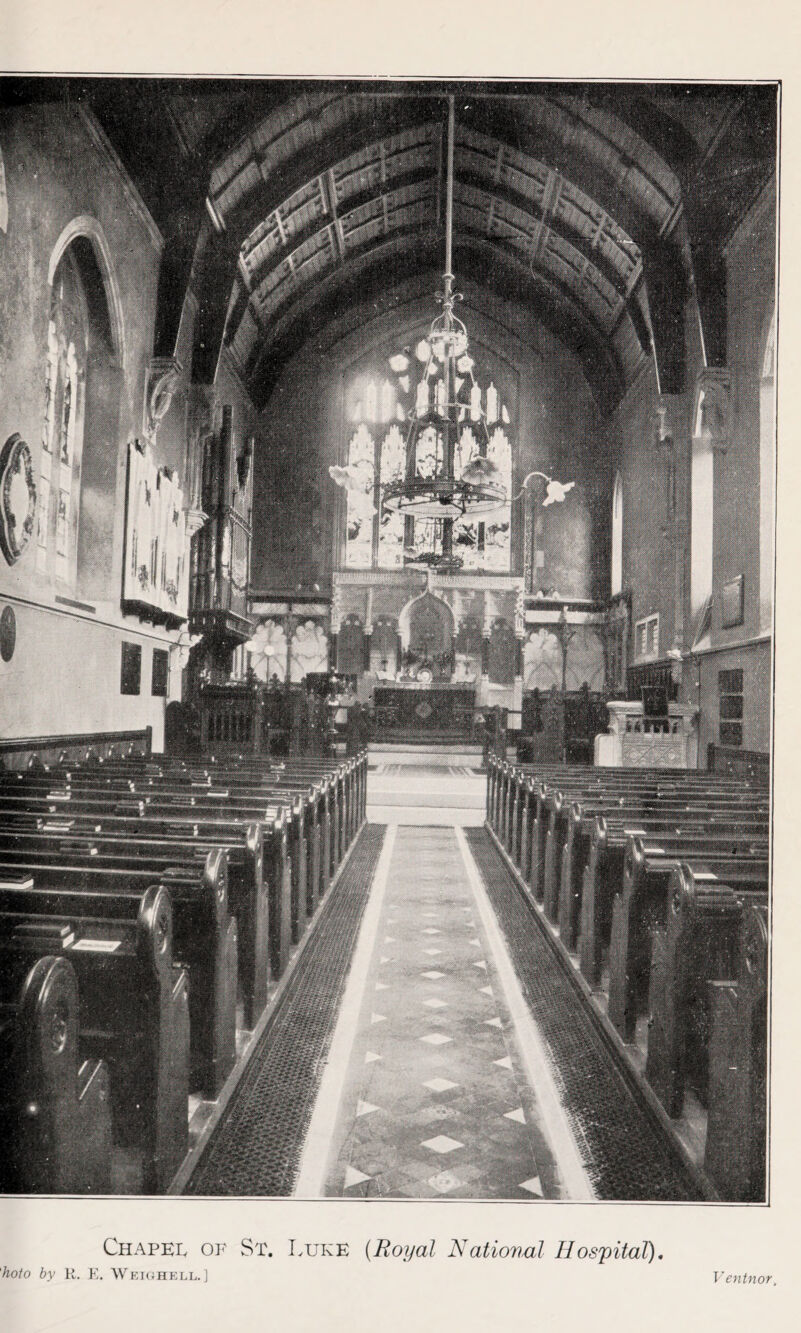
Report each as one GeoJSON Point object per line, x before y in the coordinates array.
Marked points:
{"type": "Point", "coordinates": [437, 1082]}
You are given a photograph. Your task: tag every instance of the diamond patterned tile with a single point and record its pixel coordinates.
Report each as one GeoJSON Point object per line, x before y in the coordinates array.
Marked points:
{"type": "Point", "coordinates": [446, 1077]}
{"type": "Point", "coordinates": [354, 1177]}
{"type": "Point", "coordinates": [442, 1144]}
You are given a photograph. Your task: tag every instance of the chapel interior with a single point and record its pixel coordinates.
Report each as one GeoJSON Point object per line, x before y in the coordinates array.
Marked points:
{"type": "Point", "coordinates": [387, 491]}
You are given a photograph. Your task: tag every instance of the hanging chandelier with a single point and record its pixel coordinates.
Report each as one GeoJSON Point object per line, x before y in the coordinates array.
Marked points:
{"type": "Point", "coordinates": [449, 378]}
{"type": "Point", "coordinates": [448, 397]}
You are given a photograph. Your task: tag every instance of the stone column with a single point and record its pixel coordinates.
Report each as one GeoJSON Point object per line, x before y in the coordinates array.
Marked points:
{"type": "Point", "coordinates": [367, 640]}
{"type": "Point", "coordinates": [520, 636]}
{"type": "Point", "coordinates": [336, 617]}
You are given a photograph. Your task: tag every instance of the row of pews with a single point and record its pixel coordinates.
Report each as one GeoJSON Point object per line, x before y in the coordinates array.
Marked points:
{"type": "Point", "coordinates": [654, 887]}
{"type": "Point", "coordinates": [148, 908]}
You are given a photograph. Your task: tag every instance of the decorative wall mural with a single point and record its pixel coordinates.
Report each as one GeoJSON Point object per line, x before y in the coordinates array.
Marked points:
{"type": "Point", "coordinates": [309, 651]}
{"type": "Point", "coordinates": [267, 650]}
{"type": "Point", "coordinates": [17, 498]}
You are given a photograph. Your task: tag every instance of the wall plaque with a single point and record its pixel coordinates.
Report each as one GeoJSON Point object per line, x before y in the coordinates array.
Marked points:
{"type": "Point", "coordinates": [155, 573]}
{"type": "Point", "coordinates": [8, 633]}
{"type": "Point", "coordinates": [17, 498]}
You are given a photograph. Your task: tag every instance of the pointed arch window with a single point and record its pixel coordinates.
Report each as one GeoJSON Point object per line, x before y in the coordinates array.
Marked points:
{"type": "Point", "coordinates": [62, 424]}
{"type": "Point", "coordinates": [380, 411]}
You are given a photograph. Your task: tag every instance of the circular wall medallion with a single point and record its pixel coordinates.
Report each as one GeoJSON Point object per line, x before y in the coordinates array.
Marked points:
{"type": "Point", "coordinates": [8, 633]}
{"type": "Point", "coordinates": [17, 497]}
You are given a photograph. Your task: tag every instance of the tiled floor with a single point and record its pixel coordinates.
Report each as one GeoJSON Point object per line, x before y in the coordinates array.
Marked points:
{"type": "Point", "coordinates": [436, 1100]}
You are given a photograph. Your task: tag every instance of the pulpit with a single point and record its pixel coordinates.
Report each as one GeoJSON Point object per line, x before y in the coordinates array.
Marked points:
{"type": "Point", "coordinates": [635, 740]}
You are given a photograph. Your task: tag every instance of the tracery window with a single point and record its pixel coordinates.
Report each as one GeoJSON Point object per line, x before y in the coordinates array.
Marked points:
{"type": "Point", "coordinates": [380, 410]}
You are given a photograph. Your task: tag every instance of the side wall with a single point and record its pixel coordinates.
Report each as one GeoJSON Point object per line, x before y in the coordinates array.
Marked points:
{"type": "Point", "coordinates": [657, 540]}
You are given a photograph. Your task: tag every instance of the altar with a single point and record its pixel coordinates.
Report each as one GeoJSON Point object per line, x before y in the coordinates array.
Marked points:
{"type": "Point", "coordinates": [415, 706]}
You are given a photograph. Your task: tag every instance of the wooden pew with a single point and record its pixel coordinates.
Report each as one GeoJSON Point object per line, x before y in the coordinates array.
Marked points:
{"type": "Point", "coordinates": [646, 802]}
{"type": "Point", "coordinates": [133, 1014]}
{"type": "Point", "coordinates": [55, 1106]}
{"type": "Point", "coordinates": [603, 878]}
{"type": "Point", "coordinates": [675, 814]}
{"type": "Point", "coordinates": [67, 877]}
{"type": "Point", "coordinates": [642, 904]}
{"type": "Point", "coordinates": [177, 819]}
{"type": "Point", "coordinates": [173, 802]}
{"type": "Point", "coordinates": [735, 1151]}
{"type": "Point", "coordinates": [700, 942]}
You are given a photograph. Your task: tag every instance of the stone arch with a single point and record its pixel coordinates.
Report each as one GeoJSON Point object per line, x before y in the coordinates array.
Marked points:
{"type": "Point", "coordinates": [89, 228]}
{"type": "Point", "coordinates": [427, 616]}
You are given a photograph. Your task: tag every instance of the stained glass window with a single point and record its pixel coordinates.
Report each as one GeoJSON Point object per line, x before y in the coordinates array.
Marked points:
{"type": "Point", "coordinates": [62, 423]}
{"type": "Point", "coordinates": [360, 507]}
{"type": "Point", "coordinates": [406, 388]}
{"type": "Point", "coordinates": [390, 530]}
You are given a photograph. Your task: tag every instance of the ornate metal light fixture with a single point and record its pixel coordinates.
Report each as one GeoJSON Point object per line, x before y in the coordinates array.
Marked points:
{"type": "Point", "coordinates": [443, 495]}
{"type": "Point", "coordinates": [433, 491]}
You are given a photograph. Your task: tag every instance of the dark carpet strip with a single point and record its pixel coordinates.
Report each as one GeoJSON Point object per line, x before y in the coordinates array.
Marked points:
{"type": "Point", "coordinates": [624, 1154]}
{"type": "Point", "coordinates": [256, 1148]}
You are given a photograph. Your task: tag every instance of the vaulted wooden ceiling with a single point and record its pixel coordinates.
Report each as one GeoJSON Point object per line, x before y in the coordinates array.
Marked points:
{"type": "Point", "coordinates": [596, 206]}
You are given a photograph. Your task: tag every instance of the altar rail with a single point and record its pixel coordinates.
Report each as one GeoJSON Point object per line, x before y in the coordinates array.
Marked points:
{"type": "Point", "coordinates": [27, 751]}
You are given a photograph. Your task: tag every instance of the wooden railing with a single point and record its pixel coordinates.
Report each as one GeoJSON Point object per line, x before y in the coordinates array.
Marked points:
{"type": "Point", "coordinates": [751, 764]}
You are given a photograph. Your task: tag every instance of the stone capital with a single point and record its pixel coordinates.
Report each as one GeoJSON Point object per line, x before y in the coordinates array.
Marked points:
{"type": "Point", "coordinates": [712, 407]}
{"type": "Point", "coordinates": [163, 377]}
{"type": "Point", "coordinates": [668, 419]}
